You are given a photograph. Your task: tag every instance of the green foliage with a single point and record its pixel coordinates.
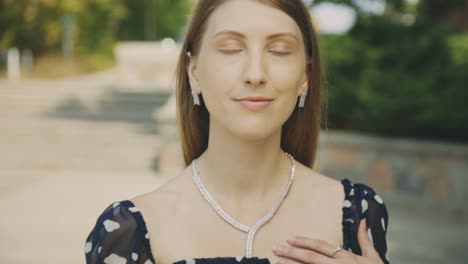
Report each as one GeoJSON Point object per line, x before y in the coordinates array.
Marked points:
{"type": "Point", "coordinates": [38, 25]}
{"type": "Point", "coordinates": [436, 9]}
{"type": "Point", "coordinates": [393, 79]}
{"type": "Point", "coordinates": [397, 5]}
{"type": "Point", "coordinates": [153, 19]}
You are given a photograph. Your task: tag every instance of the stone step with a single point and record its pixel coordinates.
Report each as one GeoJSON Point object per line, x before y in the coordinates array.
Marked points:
{"type": "Point", "coordinates": [112, 105]}
{"type": "Point", "coordinates": [107, 98]}
{"type": "Point", "coordinates": [50, 144]}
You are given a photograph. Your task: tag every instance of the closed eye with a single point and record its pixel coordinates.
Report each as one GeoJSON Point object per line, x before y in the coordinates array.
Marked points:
{"type": "Point", "coordinates": [279, 53]}
{"type": "Point", "coordinates": [230, 51]}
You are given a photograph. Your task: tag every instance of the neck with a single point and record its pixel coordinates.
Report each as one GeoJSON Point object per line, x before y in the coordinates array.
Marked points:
{"type": "Point", "coordinates": [240, 170]}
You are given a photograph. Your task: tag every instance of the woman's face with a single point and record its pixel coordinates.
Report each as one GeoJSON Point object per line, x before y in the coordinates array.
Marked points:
{"type": "Point", "coordinates": [249, 49]}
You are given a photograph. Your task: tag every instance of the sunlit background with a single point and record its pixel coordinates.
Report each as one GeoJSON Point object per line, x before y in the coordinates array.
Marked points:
{"type": "Point", "coordinates": [88, 116]}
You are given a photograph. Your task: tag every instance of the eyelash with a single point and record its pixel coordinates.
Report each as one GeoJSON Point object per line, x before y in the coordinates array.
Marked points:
{"type": "Point", "coordinates": [280, 53]}
{"type": "Point", "coordinates": [230, 52]}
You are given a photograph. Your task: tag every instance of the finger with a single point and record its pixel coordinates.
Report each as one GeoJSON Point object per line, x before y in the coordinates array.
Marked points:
{"type": "Point", "coordinates": [316, 245]}
{"type": "Point", "coordinates": [365, 243]}
{"type": "Point", "coordinates": [296, 254]}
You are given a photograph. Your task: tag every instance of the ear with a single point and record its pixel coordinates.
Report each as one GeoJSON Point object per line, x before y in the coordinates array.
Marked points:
{"type": "Point", "coordinates": [192, 73]}
{"type": "Point", "coordinates": [305, 86]}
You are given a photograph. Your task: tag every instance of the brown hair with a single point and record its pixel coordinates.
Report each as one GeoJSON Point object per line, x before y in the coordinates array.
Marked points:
{"type": "Point", "coordinates": [299, 135]}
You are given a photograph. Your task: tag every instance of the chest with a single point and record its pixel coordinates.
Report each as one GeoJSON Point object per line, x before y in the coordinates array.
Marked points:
{"type": "Point", "coordinates": [198, 232]}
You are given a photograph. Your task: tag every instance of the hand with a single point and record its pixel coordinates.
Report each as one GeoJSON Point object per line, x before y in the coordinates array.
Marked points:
{"type": "Point", "coordinates": [306, 250]}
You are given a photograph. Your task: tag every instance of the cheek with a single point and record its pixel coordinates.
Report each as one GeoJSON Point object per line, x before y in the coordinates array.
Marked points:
{"type": "Point", "coordinates": [217, 77]}
{"type": "Point", "coordinates": [286, 78]}
{"type": "Point", "coordinates": [216, 80]}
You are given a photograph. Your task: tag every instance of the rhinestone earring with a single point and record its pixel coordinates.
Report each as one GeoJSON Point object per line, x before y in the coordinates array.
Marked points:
{"type": "Point", "coordinates": [196, 99]}
{"type": "Point", "coordinates": [302, 99]}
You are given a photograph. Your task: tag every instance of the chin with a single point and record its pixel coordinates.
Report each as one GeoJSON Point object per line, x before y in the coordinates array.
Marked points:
{"type": "Point", "coordinates": [253, 133]}
{"type": "Point", "coordinates": [249, 128]}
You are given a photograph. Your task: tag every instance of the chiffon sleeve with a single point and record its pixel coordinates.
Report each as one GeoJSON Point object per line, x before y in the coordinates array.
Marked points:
{"type": "Point", "coordinates": [119, 236]}
{"type": "Point", "coordinates": [361, 201]}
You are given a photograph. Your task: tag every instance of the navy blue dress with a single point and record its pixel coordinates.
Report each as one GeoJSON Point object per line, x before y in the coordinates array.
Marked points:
{"type": "Point", "coordinates": [120, 235]}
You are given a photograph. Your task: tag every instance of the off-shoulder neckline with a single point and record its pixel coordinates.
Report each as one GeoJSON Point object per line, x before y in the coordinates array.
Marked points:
{"type": "Point", "coordinates": [141, 225]}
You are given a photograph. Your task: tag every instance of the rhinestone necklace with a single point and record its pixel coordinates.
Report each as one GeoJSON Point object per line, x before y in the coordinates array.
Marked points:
{"type": "Point", "coordinates": [249, 230]}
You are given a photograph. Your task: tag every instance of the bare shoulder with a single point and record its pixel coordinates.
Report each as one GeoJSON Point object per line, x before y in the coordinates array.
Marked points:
{"type": "Point", "coordinates": [313, 181]}
{"type": "Point", "coordinates": [166, 197]}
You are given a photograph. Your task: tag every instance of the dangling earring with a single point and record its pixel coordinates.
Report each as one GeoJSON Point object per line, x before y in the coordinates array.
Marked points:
{"type": "Point", "coordinates": [302, 99]}
{"type": "Point", "coordinates": [196, 99]}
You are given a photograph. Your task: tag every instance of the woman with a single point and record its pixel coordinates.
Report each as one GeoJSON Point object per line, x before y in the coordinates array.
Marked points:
{"type": "Point", "coordinates": [249, 112]}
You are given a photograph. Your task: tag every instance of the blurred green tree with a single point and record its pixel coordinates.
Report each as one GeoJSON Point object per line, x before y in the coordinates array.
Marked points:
{"type": "Point", "coordinates": [38, 25]}
{"type": "Point", "coordinates": [153, 19]}
{"type": "Point", "coordinates": [402, 73]}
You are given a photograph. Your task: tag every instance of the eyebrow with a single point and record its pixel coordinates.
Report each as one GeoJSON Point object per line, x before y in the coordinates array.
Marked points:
{"type": "Point", "coordinates": [269, 37]}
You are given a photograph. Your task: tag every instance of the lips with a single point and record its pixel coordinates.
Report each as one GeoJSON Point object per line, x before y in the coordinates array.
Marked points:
{"type": "Point", "coordinates": [255, 102]}
{"type": "Point", "coordinates": [255, 98]}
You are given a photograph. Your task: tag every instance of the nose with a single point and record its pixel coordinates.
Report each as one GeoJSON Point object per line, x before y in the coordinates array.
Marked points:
{"type": "Point", "coordinates": [255, 72]}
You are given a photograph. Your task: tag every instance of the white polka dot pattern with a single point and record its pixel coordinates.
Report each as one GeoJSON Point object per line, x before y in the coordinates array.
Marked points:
{"type": "Point", "coordinates": [111, 226]}
{"type": "Point", "coordinates": [364, 205]}
{"type": "Point", "coordinates": [347, 203]}
{"type": "Point", "coordinates": [88, 247]}
{"type": "Point", "coordinates": [114, 259]}
{"type": "Point", "coordinates": [133, 209]}
{"type": "Point", "coordinates": [118, 229]}
{"type": "Point", "coordinates": [378, 199]}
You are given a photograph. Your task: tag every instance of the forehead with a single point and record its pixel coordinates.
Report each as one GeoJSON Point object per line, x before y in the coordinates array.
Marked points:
{"type": "Point", "coordinates": [252, 18]}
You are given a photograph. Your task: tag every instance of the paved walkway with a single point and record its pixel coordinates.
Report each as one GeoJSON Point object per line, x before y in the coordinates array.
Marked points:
{"type": "Point", "coordinates": [63, 142]}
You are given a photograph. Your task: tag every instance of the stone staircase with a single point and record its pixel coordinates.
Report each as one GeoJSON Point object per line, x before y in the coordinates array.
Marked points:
{"type": "Point", "coordinates": [94, 128]}
{"type": "Point", "coordinates": [68, 148]}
